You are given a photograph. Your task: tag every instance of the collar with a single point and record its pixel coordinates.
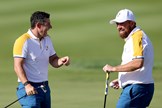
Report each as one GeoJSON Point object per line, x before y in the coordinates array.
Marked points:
{"type": "Point", "coordinates": [32, 35]}
{"type": "Point", "coordinates": [132, 32]}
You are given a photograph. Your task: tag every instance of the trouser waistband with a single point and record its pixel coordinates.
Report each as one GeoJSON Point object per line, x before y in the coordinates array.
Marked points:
{"type": "Point", "coordinates": [146, 85]}
{"type": "Point", "coordinates": [45, 83]}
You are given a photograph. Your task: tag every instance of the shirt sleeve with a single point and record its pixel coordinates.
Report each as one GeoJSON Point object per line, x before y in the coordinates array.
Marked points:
{"type": "Point", "coordinates": [137, 45]}
{"type": "Point", "coordinates": [20, 46]}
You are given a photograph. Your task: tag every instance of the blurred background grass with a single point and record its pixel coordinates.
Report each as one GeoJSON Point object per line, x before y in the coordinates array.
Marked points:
{"type": "Point", "coordinates": [80, 30]}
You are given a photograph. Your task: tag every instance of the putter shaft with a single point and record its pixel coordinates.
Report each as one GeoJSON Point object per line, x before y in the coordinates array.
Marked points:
{"type": "Point", "coordinates": [41, 87]}
{"type": "Point", "coordinates": [106, 88]}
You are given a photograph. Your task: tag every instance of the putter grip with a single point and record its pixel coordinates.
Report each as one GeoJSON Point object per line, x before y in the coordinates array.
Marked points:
{"type": "Point", "coordinates": [106, 84]}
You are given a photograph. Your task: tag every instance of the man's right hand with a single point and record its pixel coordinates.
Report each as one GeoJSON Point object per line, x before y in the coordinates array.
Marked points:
{"type": "Point", "coordinates": [30, 90]}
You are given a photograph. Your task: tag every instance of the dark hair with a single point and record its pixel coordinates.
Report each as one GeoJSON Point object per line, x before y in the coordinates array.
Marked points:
{"type": "Point", "coordinates": [38, 16]}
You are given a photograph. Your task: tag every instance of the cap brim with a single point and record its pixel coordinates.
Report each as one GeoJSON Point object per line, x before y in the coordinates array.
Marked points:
{"type": "Point", "coordinates": [112, 21]}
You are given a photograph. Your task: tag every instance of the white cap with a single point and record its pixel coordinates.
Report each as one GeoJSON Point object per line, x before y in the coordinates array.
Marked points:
{"type": "Point", "coordinates": [122, 16]}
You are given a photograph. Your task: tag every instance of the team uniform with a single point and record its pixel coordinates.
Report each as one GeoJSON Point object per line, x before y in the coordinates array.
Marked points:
{"type": "Point", "coordinates": [139, 83]}
{"type": "Point", "coordinates": [36, 55]}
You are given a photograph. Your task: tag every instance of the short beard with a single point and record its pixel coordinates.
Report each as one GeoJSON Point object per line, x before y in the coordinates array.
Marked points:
{"type": "Point", "coordinates": [126, 34]}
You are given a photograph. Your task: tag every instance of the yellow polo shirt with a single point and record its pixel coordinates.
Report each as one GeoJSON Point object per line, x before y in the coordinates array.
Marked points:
{"type": "Point", "coordinates": [137, 45]}
{"type": "Point", "coordinates": [36, 55]}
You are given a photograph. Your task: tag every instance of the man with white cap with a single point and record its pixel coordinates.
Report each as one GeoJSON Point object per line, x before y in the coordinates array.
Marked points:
{"type": "Point", "coordinates": [135, 71]}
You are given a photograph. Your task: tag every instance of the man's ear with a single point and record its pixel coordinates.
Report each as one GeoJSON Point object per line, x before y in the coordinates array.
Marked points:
{"type": "Point", "coordinates": [38, 25]}
{"type": "Point", "coordinates": [133, 24]}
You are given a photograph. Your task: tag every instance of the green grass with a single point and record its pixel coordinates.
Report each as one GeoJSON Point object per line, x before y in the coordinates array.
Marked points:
{"type": "Point", "coordinates": [80, 30]}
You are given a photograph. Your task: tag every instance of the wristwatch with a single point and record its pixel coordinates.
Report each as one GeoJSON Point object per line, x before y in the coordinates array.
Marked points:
{"type": "Point", "coordinates": [26, 83]}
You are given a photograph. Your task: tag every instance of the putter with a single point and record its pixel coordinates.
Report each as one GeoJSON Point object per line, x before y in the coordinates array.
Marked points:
{"type": "Point", "coordinates": [106, 88]}
{"type": "Point", "coordinates": [42, 87]}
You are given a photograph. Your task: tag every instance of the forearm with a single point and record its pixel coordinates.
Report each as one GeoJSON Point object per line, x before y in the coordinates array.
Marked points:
{"type": "Point", "coordinates": [129, 67]}
{"type": "Point", "coordinates": [56, 62]}
{"type": "Point", "coordinates": [21, 74]}
{"type": "Point", "coordinates": [124, 68]}
{"type": "Point", "coordinates": [19, 70]}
